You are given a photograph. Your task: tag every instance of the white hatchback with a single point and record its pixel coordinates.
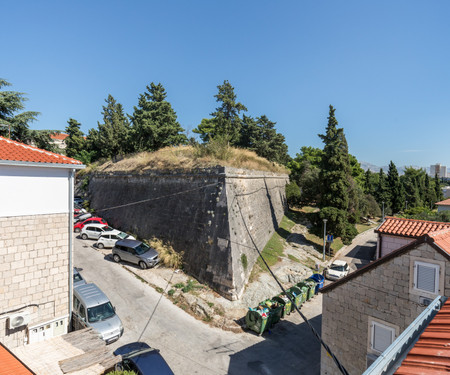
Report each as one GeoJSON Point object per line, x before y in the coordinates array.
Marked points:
{"type": "Point", "coordinates": [94, 231]}
{"type": "Point", "coordinates": [109, 239]}
{"type": "Point", "coordinates": [337, 270]}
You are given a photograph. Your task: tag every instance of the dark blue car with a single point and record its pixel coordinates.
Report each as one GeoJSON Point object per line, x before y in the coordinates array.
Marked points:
{"type": "Point", "coordinates": [142, 359]}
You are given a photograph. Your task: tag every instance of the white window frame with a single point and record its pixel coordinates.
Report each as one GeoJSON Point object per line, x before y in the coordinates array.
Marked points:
{"type": "Point", "coordinates": [437, 269]}
{"type": "Point", "coordinates": [372, 334]}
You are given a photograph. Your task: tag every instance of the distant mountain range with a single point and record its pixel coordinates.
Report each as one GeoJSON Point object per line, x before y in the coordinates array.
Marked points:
{"type": "Point", "coordinates": [375, 168]}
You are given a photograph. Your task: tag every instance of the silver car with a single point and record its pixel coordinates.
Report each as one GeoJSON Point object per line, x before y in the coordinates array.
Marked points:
{"type": "Point", "coordinates": [77, 278]}
{"type": "Point", "coordinates": [136, 252]}
{"type": "Point", "coordinates": [92, 308]}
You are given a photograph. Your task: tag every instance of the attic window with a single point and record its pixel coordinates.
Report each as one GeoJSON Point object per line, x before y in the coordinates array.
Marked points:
{"type": "Point", "coordinates": [426, 277]}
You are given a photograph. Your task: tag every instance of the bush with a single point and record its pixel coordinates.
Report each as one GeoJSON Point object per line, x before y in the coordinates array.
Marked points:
{"type": "Point", "coordinates": [171, 292]}
{"type": "Point", "coordinates": [218, 147]}
{"type": "Point", "coordinates": [244, 261]}
{"type": "Point", "coordinates": [167, 255]}
{"type": "Point", "coordinates": [293, 194]}
{"type": "Point", "coordinates": [349, 234]}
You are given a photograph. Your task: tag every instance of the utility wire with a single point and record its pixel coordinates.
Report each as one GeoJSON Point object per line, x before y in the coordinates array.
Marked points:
{"type": "Point", "coordinates": [326, 347]}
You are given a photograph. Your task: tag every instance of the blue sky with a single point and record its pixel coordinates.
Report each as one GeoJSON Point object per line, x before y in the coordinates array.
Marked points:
{"type": "Point", "coordinates": [384, 65]}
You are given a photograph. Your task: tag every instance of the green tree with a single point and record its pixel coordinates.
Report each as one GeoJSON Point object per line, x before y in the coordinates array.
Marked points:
{"type": "Point", "coordinates": [335, 171]}
{"type": "Point", "coordinates": [11, 103]}
{"type": "Point", "coordinates": [430, 194]}
{"type": "Point", "coordinates": [154, 122]}
{"type": "Point", "coordinates": [112, 137]}
{"type": "Point", "coordinates": [437, 189]}
{"type": "Point", "coordinates": [225, 121]}
{"type": "Point", "coordinates": [357, 172]}
{"type": "Point", "coordinates": [75, 142]}
{"type": "Point", "coordinates": [395, 188]}
{"type": "Point", "coordinates": [261, 136]}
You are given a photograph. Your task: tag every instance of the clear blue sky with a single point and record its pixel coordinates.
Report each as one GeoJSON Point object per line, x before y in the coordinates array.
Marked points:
{"type": "Point", "coordinates": [384, 65]}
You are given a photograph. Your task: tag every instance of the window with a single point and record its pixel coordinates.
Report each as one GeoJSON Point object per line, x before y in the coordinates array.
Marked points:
{"type": "Point", "coordinates": [82, 313]}
{"type": "Point", "coordinates": [381, 336]}
{"type": "Point", "coordinates": [76, 303]}
{"type": "Point", "coordinates": [426, 277]}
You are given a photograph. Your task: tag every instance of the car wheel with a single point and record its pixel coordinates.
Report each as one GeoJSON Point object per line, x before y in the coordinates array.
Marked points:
{"type": "Point", "coordinates": [84, 236]}
{"type": "Point", "coordinates": [100, 245]}
{"type": "Point", "coordinates": [116, 258]}
{"type": "Point", "coordinates": [143, 265]}
{"type": "Point", "coordinates": [77, 230]}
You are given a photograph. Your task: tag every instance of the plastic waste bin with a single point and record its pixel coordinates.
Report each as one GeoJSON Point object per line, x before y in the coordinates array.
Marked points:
{"type": "Point", "coordinates": [319, 279]}
{"type": "Point", "coordinates": [275, 311]}
{"type": "Point", "coordinates": [285, 303]}
{"type": "Point", "coordinates": [310, 285]}
{"type": "Point", "coordinates": [257, 318]}
{"type": "Point", "coordinates": [296, 295]}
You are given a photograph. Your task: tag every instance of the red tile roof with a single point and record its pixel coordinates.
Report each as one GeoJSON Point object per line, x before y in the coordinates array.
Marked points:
{"type": "Point", "coordinates": [60, 136]}
{"type": "Point", "coordinates": [409, 227]}
{"type": "Point", "coordinates": [11, 365]}
{"type": "Point", "coordinates": [431, 353]}
{"type": "Point", "coordinates": [15, 151]}
{"type": "Point", "coordinates": [445, 202]}
{"type": "Point", "coordinates": [442, 239]}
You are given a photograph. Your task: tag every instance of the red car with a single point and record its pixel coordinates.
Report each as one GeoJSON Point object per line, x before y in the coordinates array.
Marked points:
{"type": "Point", "coordinates": [92, 220]}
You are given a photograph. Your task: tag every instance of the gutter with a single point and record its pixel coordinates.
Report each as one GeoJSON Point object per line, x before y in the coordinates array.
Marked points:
{"type": "Point", "coordinates": [15, 163]}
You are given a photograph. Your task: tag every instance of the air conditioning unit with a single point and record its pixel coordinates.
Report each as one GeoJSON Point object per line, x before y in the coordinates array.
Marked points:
{"type": "Point", "coordinates": [18, 320]}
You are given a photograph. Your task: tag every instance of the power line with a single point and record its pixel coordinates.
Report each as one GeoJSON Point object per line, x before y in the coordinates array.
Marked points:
{"type": "Point", "coordinates": [316, 334]}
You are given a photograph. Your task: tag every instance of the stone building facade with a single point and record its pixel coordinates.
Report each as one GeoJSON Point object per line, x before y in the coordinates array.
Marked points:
{"type": "Point", "coordinates": [35, 243]}
{"type": "Point", "coordinates": [364, 312]}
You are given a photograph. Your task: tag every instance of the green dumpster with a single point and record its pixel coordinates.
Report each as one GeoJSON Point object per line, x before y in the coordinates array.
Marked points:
{"type": "Point", "coordinates": [309, 285]}
{"type": "Point", "coordinates": [285, 303]}
{"type": "Point", "coordinates": [296, 295]}
{"type": "Point", "coordinates": [256, 319]}
{"type": "Point", "coordinates": [312, 284]}
{"type": "Point", "coordinates": [275, 311]}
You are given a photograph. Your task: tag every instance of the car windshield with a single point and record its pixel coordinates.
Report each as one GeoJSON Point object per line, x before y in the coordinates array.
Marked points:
{"type": "Point", "coordinates": [336, 267]}
{"type": "Point", "coordinates": [100, 312]}
{"type": "Point", "coordinates": [107, 229]}
{"type": "Point", "coordinates": [122, 235]}
{"type": "Point", "coordinates": [77, 277]}
{"type": "Point", "coordinates": [142, 248]}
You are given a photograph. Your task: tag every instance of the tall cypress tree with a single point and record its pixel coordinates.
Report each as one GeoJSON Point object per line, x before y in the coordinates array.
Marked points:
{"type": "Point", "coordinates": [437, 189]}
{"type": "Point", "coordinates": [75, 142]}
{"type": "Point", "coordinates": [396, 197]}
{"type": "Point", "coordinates": [335, 171]}
{"type": "Point", "coordinates": [155, 122]}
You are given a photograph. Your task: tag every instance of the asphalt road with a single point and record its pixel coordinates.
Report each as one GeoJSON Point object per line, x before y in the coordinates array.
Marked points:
{"type": "Point", "coordinates": [191, 346]}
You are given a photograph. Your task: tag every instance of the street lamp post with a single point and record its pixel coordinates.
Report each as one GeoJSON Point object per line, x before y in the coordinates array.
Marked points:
{"type": "Point", "coordinates": [324, 236]}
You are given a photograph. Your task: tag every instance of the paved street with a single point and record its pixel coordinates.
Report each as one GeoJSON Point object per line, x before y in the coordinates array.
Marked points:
{"type": "Point", "coordinates": [361, 251]}
{"type": "Point", "coordinates": [191, 346]}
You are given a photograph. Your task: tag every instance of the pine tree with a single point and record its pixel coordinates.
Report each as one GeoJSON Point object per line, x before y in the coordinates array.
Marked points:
{"type": "Point", "coordinates": [335, 167]}
{"type": "Point", "coordinates": [395, 189]}
{"type": "Point", "coordinates": [154, 122]}
{"type": "Point", "coordinates": [225, 122]}
{"type": "Point", "coordinates": [75, 142]}
{"type": "Point", "coordinates": [112, 137]}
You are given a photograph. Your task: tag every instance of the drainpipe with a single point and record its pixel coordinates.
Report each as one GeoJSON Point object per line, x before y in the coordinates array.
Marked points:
{"type": "Point", "coordinates": [71, 187]}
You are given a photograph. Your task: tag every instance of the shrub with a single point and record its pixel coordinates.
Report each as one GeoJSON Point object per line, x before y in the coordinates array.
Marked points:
{"type": "Point", "coordinates": [171, 292]}
{"type": "Point", "coordinates": [179, 285]}
{"type": "Point", "coordinates": [293, 194]}
{"type": "Point", "coordinates": [349, 234]}
{"type": "Point", "coordinates": [244, 261]}
{"type": "Point", "coordinates": [167, 255]}
{"type": "Point", "coordinates": [218, 147]}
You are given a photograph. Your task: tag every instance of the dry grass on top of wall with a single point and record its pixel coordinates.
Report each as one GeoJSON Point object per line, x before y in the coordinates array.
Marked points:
{"type": "Point", "coordinates": [187, 158]}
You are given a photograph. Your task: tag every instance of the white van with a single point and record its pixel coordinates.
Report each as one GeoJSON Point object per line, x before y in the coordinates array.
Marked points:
{"type": "Point", "coordinates": [92, 308]}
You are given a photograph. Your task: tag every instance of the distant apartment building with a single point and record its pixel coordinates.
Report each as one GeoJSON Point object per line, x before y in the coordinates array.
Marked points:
{"type": "Point", "coordinates": [437, 169]}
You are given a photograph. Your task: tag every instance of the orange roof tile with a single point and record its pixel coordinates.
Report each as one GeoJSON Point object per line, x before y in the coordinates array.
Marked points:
{"type": "Point", "coordinates": [445, 202]}
{"type": "Point", "coordinates": [442, 239]}
{"type": "Point", "coordinates": [409, 227]}
{"type": "Point", "coordinates": [431, 353]}
{"type": "Point", "coordinates": [11, 365]}
{"type": "Point", "coordinates": [60, 136]}
{"type": "Point", "coordinates": [16, 151]}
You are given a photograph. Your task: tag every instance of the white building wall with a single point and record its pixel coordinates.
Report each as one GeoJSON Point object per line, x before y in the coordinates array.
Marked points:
{"type": "Point", "coordinates": [33, 190]}
{"type": "Point", "coordinates": [391, 243]}
{"type": "Point", "coordinates": [443, 208]}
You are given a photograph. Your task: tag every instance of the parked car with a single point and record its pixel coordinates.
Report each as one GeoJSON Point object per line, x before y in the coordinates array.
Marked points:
{"type": "Point", "coordinates": [77, 278]}
{"type": "Point", "coordinates": [78, 200]}
{"type": "Point", "coordinates": [337, 270]}
{"type": "Point", "coordinates": [142, 359]}
{"type": "Point", "coordinates": [93, 231]}
{"type": "Point", "coordinates": [92, 308]}
{"type": "Point", "coordinates": [92, 220]}
{"type": "Point", "coordinates": [136, 252]}
{"type": "Point", "coordinates": [81, 217]}
{"type": "Point", "coordinates": [109, 239]}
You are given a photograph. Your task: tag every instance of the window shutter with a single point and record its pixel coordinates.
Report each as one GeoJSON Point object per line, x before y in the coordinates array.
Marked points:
{"type": "Point", "coordinates": [382, 337]}
{"type": "Point", "coordinates": [426, 278]}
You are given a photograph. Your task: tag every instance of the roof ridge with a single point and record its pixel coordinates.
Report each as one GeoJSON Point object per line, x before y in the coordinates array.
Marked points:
{"type": "Point", "coordinates": [416, 220]}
